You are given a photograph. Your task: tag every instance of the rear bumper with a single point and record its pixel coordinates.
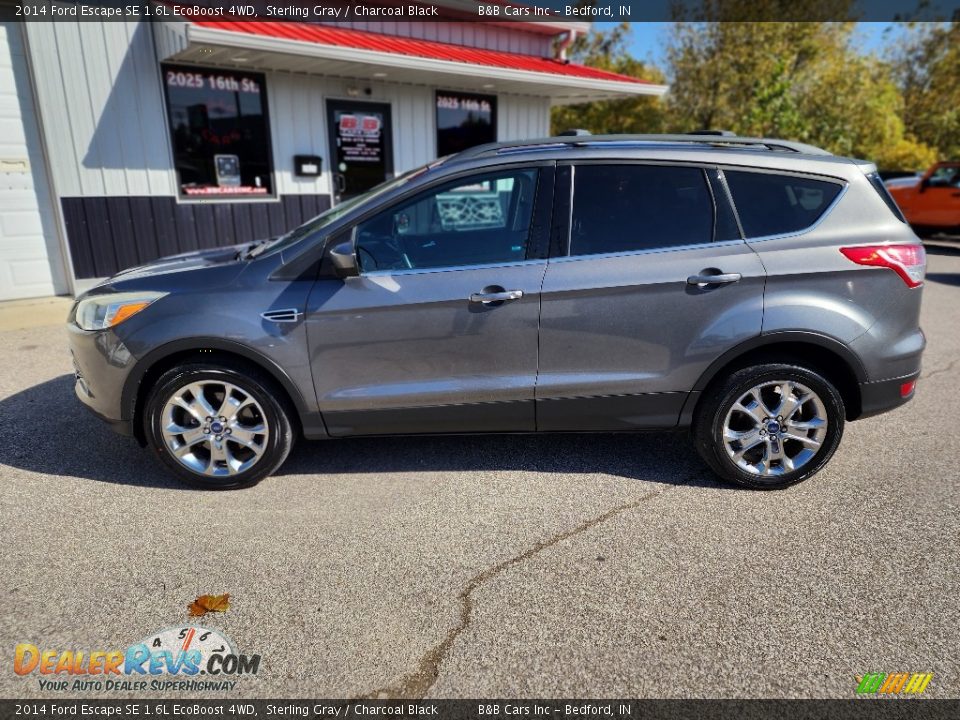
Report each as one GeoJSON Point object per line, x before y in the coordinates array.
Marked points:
{"type": "Point", "coordinates": [884, 395]}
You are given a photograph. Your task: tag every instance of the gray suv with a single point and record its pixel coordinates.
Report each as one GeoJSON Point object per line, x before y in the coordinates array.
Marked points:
{"type": "Point", "coordinates": [757, 291]}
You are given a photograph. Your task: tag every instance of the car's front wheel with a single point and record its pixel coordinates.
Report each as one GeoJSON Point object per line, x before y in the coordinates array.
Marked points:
{"type": "Point", "coordinates": [217, 426]}
{"type": "Point", "coordinates": [769, 426]}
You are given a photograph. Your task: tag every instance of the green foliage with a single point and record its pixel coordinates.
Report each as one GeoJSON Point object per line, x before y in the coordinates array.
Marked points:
{"type": "Point", "coordinates": [607, 50]}
{"type": "Point", "coordinates": [798, 80]}
{"type": "Point", "coordinates": [928, 69]}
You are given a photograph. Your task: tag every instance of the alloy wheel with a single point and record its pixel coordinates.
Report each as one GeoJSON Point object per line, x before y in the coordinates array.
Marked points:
{"type": "Point", "coordinates": [775, 428]}
{"type": "Point", "coordinates": [214, 428]}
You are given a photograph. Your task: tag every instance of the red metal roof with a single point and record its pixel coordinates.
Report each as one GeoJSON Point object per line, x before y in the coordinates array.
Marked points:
{"type": "Point", "coordinates": [361, 40]}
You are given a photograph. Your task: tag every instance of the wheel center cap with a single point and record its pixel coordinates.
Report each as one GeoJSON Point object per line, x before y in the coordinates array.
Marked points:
{"type": "Point", "coordinates": [773, 427]}
{"type": "Point", "coordinates": [216, 427]}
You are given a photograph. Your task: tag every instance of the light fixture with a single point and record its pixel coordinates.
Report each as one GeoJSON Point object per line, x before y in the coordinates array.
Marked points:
{"type": "Point", "coordinates": [379, 75]}
{"type": "Point", "coordinates": [353, 92]}
{"type": "Point", "coordinates": [488, 86]}
{"type": "Point", "coordinates": [240, 58]}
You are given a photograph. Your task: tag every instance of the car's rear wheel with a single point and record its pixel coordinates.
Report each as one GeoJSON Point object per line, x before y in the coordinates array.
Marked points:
{"type": "Point", "coordinates": [769, 426]}
{"type": "Point", "coordinates": [216, 426]}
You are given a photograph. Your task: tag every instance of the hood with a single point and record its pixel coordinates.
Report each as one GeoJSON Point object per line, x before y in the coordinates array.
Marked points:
{"type": "Point", "coordinates": [184, 262]}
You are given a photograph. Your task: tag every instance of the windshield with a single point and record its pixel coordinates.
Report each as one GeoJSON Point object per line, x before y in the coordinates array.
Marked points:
{"type": "Point", "coordinates": [335, 213]}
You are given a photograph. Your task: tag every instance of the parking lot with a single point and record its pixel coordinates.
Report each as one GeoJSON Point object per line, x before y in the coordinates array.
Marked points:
{"type": "Point", "coordinates": [572, 565]}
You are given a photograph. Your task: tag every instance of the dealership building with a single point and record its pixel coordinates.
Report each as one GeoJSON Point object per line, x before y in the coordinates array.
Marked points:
{"type": "Point", "coordinates": [121, 142]}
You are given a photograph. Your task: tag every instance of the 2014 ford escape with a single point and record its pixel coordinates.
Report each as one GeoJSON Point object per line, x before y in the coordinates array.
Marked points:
{"type": "Point", "coordinates": [761, 292]}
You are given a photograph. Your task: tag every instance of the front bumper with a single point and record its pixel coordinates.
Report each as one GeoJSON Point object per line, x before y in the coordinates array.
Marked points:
{"type": "Point", "coordinates": [101, 366]}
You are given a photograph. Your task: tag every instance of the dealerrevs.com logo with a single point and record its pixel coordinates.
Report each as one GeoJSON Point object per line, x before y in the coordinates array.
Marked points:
{"type": "Point", "coordinates": [898, 683]}
{"type": "Point", "coordinates": [188, 658]}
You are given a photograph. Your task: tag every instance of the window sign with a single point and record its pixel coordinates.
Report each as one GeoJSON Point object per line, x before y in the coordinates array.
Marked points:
{"type": "Point", "coordinates": [219, 130]}
{"type": "Point", "coordinates": [464, 120]}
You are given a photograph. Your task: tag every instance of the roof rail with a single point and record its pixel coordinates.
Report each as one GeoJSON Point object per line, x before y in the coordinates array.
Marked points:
{"type": "Point", "coordinates": [719, 141]}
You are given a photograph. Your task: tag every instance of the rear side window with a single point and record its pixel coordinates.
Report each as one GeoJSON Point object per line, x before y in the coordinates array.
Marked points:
{"type": "Point", "coordinates": [881, 189]}
{"type": "Point", "coordinates": [770, 204]}
{"type": "Point", "coordinates": [622, 208]}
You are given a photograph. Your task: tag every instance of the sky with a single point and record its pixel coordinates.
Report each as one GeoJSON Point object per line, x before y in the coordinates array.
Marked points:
{"type": "Point", "coordinates": [648, 39]}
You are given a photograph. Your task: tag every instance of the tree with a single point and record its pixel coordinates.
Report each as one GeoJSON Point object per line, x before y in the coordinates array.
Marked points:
{"type": "Point", "coordinates": [928, 71]}
{"type": "Point", "coordinates": [608, 51]}
{"type": "Point", "coordinates": [797, 80]}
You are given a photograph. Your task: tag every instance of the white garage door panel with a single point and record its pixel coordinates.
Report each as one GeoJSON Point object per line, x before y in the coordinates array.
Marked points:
{"type": "Point", "coordinates": [25, 263]}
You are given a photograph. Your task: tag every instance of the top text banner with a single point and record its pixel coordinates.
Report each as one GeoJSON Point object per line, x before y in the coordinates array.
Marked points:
{"type": "Point", "coordinates": [597, 11]}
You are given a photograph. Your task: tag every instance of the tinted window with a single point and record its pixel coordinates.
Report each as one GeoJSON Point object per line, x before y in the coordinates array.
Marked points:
{"type": "Point", "coordinates": [881, 189]}
{"type": "Point", "coordinates": [620, 208]}
{"type": "Point", "coordinates": [947, 176]}
{"type": "Point", "coordinates": [725, 222]}
{"type": "Point", "coordinates": [482, 220]}
{"type": "Point", "coordinates": [218, 123]}
{"type": "Point", "coordinates": [771, 204]}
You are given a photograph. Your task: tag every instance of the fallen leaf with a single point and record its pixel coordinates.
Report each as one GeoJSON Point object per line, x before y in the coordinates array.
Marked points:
{"type": "Point", "coordinates": [209, 603]}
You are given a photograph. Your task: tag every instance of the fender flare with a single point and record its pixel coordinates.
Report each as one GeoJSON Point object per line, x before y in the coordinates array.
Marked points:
{"type": "Point", "coordinates": [826, 342]}
{"type": "Point", "coordinates": [131, 386]}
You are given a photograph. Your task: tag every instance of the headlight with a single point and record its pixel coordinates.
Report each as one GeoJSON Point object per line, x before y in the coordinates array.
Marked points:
{"type": "Point", "coordinates": [104, 311]}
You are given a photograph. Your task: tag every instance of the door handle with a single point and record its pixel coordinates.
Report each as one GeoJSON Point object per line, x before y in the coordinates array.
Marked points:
{"type": "Point", "coordinates": [708, 278]}
{"type": "Point", "coordinates": [499, 296]}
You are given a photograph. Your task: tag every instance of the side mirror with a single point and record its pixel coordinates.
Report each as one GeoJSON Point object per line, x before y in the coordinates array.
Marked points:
{"type": "Point", "coordinates": [344, 259]}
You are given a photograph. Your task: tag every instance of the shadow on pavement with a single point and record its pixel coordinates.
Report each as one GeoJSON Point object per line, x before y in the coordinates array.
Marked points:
{"type": "Point", "coordinates": [48, 431]}
{"type": "Point", "coordinates": [940, 248]}
{"type": "Point", "coordinates": [944, 278]}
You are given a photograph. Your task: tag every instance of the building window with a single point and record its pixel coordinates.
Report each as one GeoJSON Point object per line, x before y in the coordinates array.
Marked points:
{"type": "Point", "coordinates": [464, 120]}
{"type": "Point", "coordinates": [221, 138]}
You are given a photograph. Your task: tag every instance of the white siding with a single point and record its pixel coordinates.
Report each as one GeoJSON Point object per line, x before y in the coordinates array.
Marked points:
{"type": "Point", "coordinates": [299, 126]}
{"type": "Point", "coordinates": [30, 261]}
{"type": "Point", "coordinates": [522, 118]}
{"type": "Point", "coordinates": [98, 85]}
{"type": "Point", "coordinates": [298, 120]}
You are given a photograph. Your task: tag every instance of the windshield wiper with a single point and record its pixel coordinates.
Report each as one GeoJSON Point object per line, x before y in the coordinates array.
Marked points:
{"type": "Point", "coordinates": [252, 249]}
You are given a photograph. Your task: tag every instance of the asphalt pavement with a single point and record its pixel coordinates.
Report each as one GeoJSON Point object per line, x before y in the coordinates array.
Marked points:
{"type": "Point", "coordinates": [573, 565]}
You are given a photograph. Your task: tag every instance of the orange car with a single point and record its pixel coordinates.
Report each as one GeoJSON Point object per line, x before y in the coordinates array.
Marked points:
{"type": "Point", "coordinates": [930, 202]}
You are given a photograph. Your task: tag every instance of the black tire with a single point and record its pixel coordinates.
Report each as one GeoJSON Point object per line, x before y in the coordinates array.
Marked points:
{"type": "Point", "coordinates": [711, 415]}
{"type": "Point", "coordinates": [276, 416]}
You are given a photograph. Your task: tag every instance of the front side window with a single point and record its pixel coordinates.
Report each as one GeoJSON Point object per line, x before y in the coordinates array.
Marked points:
{"type": "Point", "coordinates": [623, 208]}
{"type": "Point", "coordinates": [218, 126]}
{"type": "Point", "coordinates": [771, 204]}
{"type": "Point", "coordinates": [477, 221]}
{"type": "Point", "coordinates": [947, 176]}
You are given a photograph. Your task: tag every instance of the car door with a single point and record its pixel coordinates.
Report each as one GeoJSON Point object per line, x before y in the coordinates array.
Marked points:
{"type": "Point", "coordinates": [438, 333]}
{"type": "Point", "coordinates": [649, 282]}
{"type": "Point", "coordinates": [936, 201]}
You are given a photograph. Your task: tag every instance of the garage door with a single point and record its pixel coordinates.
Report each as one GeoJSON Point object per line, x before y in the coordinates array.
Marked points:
{"type": "Point", "coordinates": [30, 264]}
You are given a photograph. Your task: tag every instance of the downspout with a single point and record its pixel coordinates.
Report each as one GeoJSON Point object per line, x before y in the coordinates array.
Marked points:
{"type": "Point", "coordinates": [564, 45]}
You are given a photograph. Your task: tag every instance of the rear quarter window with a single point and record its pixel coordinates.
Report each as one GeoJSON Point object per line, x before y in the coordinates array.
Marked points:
{"type": "Point", "coordinates": [772, 204]}
{"type": "Point", "coordinates": [881, 189]}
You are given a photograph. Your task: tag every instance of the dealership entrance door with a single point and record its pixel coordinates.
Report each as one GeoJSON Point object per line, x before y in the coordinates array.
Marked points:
{"type": "Point", "coordinates": [361, 147]}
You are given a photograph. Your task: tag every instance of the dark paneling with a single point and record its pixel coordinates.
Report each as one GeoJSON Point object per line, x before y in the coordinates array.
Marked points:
{"type": "Point", "coordinates": [106, 235]}
{"type": "Point", "coordinates": [141, 215]}
{"type": "Point", "coordinates": [100, 235]}
{"type": "Point", "coordinates": [121, 225]}
{"type": "Point", "coordinates": [165, 226]}
{"type": "Point", "coordinates": [76, 224]}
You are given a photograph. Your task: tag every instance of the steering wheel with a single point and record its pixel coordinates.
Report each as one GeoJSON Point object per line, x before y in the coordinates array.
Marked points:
{"type": "Point", "coordinates": [397, 257]}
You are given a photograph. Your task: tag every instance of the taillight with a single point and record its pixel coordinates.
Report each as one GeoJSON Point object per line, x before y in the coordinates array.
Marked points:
{"type": "Point", "coordinates": [907, 261]}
